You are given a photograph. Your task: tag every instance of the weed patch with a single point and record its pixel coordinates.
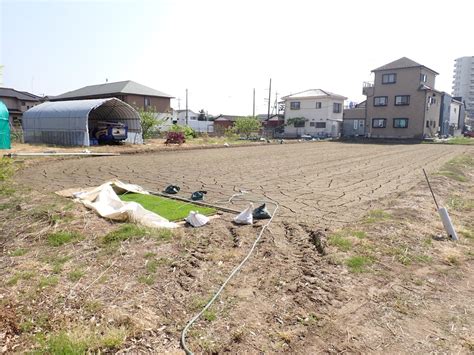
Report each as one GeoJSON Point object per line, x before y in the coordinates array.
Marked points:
{"type": "Point", "coordinates": [18, 252]}
{"type": "Point", "coordinates": [82, 341]}
{"type": "Point", "coordinates": [147, 279]}
{"type": "Point", "coordinates": [209, 315]}
{"type": "Point", "coordinates": [357, 264]}
{"type": "Point", "coordinates": [460, 204]}
{"type": "Point", "coordinates": [454, 169]}
{"type": "Point", "coordinates": [375, 216]}
{"type": "Point", "coordinates": [63, 237]}
{"type": "Point", "coordinates": [24, 275]}
{"type": "Point", "coordinates": [48, 281]}
{"type": "Point", "coordinates": [133, 231]}
{"type": "Point", "coordinates": [75, 275]}
{"type": "Point", "coordinates": [340, 241]}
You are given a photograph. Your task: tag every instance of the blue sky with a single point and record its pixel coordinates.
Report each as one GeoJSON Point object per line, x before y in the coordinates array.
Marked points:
{"type": "Point", "coordinates": [221, 50]}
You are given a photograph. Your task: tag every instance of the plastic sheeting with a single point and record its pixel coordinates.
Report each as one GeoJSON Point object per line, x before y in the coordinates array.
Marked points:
{"type": "Point", "coordinates": [105, 201]}
{"type": "Point", "coordinates": [4, 127]}
{"type": "Point", "coordinates": [69, 122]}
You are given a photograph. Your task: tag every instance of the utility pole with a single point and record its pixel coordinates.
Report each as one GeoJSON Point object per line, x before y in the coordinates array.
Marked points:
{"type": "Point", "coordinates": [269, 97]}
{"type": "Point", "coordinates": [276, 103]}
{"type": "Point", "coordinates": [186, 107]}
{"type": "Point", "coordinates": [253, 111]}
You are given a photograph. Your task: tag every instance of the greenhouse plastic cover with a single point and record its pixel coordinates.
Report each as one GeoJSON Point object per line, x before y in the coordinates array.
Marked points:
{"type": "Point", "coordinates": [67, 122]}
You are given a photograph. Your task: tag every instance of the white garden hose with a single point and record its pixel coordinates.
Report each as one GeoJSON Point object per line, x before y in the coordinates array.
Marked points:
{"type": "Point", "coordinates": [231, 275]}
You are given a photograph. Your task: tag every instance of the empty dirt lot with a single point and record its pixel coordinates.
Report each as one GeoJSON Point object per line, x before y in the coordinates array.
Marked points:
{"type": "Point", "coordinates": [356, 260]}
{"type": "Point", "coordinates": [334, 183]}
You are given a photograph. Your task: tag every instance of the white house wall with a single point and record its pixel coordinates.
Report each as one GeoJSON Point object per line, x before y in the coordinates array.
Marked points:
{"type": "Point", "coordinates": [454, 114]}
{"type": "Point", "coordinates": [311, 114]}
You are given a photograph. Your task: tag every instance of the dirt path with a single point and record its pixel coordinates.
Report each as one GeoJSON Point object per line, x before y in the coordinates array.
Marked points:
{"type": "Point", "coordinates": [334, 183]}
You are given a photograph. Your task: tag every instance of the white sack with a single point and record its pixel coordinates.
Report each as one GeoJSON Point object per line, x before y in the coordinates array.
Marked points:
{"type": "Point", "coordinates": [196, 219]}
{"type": "Point", "coordinates": [245, 217]}
{"type": "Point", "coordinates": [104, 200]}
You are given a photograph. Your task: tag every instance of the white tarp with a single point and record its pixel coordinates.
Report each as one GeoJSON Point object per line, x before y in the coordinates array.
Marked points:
{"type": "Point", "coordinates": [105, 201]}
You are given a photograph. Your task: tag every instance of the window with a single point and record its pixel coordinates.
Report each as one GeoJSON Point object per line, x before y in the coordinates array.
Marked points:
{"type": "Point", "coordinates": [400, 122]}
{"type": "Point", "coordinates": [389, 78]}
{"type": "Point", "coordinates": [380, 100]}
{"type": "Point", "coordinates": [320, 124]}
{"type": "Point", "coordinates": [299, 123]}
{"type": "Point", "coordinates": [423, 78]}
{"type": "Point", "coordinates": [379, 122]}
{"type": "Point", "coordinates": [147, 101]}
{"type": "Point", "coordinates": [356, 125]}
{"type": "Point", "coordinates": [312, 124]}
{"type": "Point", "coordinates": [431, 100]}
{"type": "Point", "coordinates": [318, 105]}
{"type": "Point", "coordinates": [402, 100]}
{"type": "Point", "coordinates": [23, 103]}
{"type": "Point", "coordinates": [295, 105]}
{"type": "Point", "coordinates": [336, 107]}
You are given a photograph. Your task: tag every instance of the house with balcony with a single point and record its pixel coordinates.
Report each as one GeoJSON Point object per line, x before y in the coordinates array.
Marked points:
{"type": "Point", "coordinates": [313, 112]}
{"type": "Point", "coordinates": [402, 102]}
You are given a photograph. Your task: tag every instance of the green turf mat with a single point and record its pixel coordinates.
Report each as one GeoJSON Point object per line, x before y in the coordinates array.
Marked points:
{"type": "Point", "coordinates": [172, 210]}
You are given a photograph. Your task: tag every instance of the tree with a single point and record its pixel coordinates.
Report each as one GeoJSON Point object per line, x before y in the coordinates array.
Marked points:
{"type": "Point", "coordinates": [247, 125]}
{"type": "Point", "coordinates": [202, 116]}
{"type": "Point", "coordinates": [149, 122]}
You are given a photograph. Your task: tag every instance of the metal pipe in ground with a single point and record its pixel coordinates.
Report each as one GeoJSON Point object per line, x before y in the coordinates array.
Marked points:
{"type": "Point", "coordinates": [53, 154]}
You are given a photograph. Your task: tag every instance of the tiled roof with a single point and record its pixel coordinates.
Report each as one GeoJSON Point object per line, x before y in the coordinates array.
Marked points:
{"type": "Point", "coordinates": [402, 63]}
{"type": "Point", "coordinates": [119, 87]}
{"type": "Point", "coordinates": [314, 93]}
{"type": "Point", "coordinates": [20, 95]}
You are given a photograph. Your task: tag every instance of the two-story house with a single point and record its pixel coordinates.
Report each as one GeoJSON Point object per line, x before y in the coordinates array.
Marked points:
{"type": "Point", "coordinates": [402, 101]}
{"type": "Point", "coordinates": [17, 102]}
{"type": "Point", "coordinates": [314, 112]}
{"type": "Point", "coordinates": [135, 94]}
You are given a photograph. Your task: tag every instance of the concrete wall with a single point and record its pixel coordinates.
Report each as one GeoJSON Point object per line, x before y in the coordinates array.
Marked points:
{"type": "Point", "coordinates": [313, 115]}
{"type": "Point", "coordinates": [353, 127]}
{"type": "Point", "coordinates": [407, 83]}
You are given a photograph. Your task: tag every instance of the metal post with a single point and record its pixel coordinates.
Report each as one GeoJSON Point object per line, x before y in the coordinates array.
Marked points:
{"type": "Point", "coordinates": [186, 107]}
{"type": "Point", "coordinates": [269, 98]}
{"type": "Point", "coordinates": [253, 111]}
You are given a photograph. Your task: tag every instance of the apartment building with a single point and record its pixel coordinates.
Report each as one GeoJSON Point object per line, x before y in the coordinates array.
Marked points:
{"type": "Point", "coordinates": [402, 101]}
{"type": "Point", "coordinates": [463, 82]}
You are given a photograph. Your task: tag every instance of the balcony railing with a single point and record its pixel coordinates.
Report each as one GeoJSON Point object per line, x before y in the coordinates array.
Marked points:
{"type": "Point", "coordinates": [367, 88]}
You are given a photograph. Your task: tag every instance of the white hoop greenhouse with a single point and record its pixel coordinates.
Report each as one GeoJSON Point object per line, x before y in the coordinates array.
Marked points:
{"type": "Point", "coordinates": [70, 123]}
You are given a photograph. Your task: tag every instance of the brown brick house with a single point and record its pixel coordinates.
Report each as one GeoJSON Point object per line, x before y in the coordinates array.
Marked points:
{"type": "Point", "coordinates": [17, 102]}
{"type": "Point", "coordinates": [135, 94]}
